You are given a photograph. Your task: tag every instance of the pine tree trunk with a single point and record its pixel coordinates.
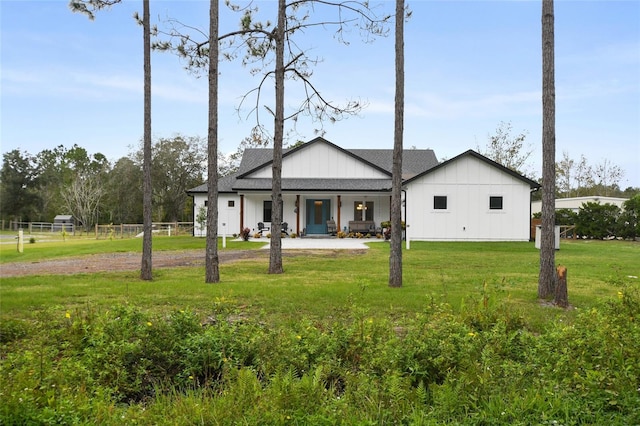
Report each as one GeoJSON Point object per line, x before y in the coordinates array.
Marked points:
{"type": "Point", "coordinates": [212, 269]}
{"type": "Point", "coordinates": [395, 256]}
{"type": "Point", "coordinates": [275, 254]}
{"type": "Point", "coordinates": [146, 267]}
{"type": "Point", "coordinates": [547, 278]}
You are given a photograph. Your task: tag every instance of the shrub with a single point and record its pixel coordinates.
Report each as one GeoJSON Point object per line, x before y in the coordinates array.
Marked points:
{"type": "Point", "coordinates": [11, 330]}
{"type": "Point", "coordinates": [565, 217]}
{"type": "Point", "coordinates": [480, 366]}
{"type": "Point", "coordinates": [629, 221]}
{"type": "Point", "coordinates": [387, 224]}
{"type": "Point", "coordinates": [597, 220]}
{"type": "Point", "coordinates": [245, 233]}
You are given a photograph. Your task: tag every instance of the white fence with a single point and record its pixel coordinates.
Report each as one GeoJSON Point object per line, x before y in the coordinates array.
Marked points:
{"type": "Point", "coordinates": [32, 227]}
{"type": "Point", "coordinates": [124, 230]}
{"type": "Point", "coordinates": [132, 230]}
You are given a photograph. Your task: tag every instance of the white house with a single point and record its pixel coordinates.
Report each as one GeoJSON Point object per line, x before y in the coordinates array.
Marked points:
{"type": "Point", "coordinates": [467, 198]}
{"type": "Point", "coordinates": [575, 203]}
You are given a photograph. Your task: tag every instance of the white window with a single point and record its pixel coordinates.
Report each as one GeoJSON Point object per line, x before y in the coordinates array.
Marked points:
{"type": "Point", "coordinates": [363, 210]}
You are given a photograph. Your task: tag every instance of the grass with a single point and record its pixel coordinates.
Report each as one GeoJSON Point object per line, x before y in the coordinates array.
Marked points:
{"type": "Point", "coordinates": [323, 285]}
{"type": "Point", "coordinates": [80, 246]}
{"type": "Point", "coordinates": [465, 341]}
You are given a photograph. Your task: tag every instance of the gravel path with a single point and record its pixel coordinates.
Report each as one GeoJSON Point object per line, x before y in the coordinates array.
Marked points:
{"type": "Point", "coordinates": [110, 262]}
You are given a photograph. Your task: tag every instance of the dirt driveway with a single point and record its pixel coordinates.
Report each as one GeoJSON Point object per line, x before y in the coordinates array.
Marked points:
{"type": "Point", "coordinates": [112, 262]}
{"type": "Point", "coordinates": [121, 262]}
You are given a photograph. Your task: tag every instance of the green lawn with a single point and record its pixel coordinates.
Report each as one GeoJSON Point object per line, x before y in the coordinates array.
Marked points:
{"type": "Point", "coordinates": [48, 248]}
{"type": "Point", "coordinates": [321, 285]}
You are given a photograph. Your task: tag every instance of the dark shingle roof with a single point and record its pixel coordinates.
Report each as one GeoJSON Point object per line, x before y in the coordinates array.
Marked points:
{"type": "Point", "coordinates": [254, 158]}
{"type": "Point", "coordinates": [225, 184]}
{"type": "Point", "coordinates": [414, 162]}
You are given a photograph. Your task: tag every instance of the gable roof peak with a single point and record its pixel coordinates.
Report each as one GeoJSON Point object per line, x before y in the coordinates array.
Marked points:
{"type": "Point", "coordinates": [471, 153]}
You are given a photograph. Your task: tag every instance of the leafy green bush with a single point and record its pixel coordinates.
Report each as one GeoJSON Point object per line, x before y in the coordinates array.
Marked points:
{"type": "Point", "coordinates": [629, 221]}
{"type": "Point", "coordinates": [566, 217]}
{"type": "Point", "coordinates": [597, 220]}
{"type": "Point", "coordinates": [11, 330]}
{"type": "Point", "coordinates": [482, 366]}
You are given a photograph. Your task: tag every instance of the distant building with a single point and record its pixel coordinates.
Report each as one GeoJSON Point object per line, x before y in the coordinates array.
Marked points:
{"type": "Point", "coordinates": [576, 202]}
{"type": "Point", "coordinates": [63, 222]}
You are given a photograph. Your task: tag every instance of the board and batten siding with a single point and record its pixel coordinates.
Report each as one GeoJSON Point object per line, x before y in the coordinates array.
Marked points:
{"type": "Point", "coordinates": [228, 215]}
{"type": "Point", "coordinates": [322, 161]}
{"type": "Point", "coordinates": [468, 184]}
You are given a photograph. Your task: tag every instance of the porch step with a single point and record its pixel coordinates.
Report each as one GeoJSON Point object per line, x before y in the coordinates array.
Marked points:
{"type": "Point", "coordinates": [319, 236]}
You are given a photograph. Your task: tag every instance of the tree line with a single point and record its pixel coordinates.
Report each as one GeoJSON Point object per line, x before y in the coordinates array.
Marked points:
{"type": "Point", "coordinates": [61, 180]}
{"type": "Point", "coordinates": [37, 187]}
{"type": "Point", "coordinates": [573, 177]}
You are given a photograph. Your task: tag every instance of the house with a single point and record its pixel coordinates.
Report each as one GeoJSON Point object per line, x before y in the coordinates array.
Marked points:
{"type": "Point", "coordinates": [467, 198]}
{"type": "Point", "coordinates": [575, 203]}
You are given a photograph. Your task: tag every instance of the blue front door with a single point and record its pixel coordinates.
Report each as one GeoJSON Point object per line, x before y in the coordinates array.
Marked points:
{"type": "Point", "coordinates": [318, 213]}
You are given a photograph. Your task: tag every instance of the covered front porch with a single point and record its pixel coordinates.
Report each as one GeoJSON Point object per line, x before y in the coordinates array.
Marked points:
{"type": "Point", "coordinates": [318, 214]}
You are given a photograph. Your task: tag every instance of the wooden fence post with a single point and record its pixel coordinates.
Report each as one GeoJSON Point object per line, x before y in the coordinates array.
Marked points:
{"type": "Point", "coordinates": [561, 296]}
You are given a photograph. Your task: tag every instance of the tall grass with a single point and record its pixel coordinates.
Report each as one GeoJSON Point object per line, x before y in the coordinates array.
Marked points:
{"type": "Point", "coordinates": [464, 341]}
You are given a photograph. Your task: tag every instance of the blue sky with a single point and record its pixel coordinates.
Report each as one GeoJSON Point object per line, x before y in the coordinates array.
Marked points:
{"type": "Point", "coordinates": [469, 66]}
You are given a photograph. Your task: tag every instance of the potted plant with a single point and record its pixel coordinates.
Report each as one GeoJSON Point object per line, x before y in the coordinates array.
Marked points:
{"type": "Point", "coordinates": [244, 234]}
{"type": "Point", "coordinates": [386, 228]}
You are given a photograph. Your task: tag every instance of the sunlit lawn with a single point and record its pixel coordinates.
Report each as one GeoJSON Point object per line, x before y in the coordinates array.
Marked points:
{"type": "Point", "coordinates": [324, 284]}
{"type": "Point", "coordinates": [53, 246]}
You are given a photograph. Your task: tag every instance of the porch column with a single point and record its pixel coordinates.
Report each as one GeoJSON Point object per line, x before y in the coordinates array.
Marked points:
{"type": "Point", "coordinates": [241, 212]}
{"type": "Point", "coordinates": [298, 214]}
{"type": "Point", "coordinates": [339, 227]}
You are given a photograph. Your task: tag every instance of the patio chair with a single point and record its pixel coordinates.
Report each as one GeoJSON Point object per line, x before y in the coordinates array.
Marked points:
{"type": "Point", "coordinates": [285, 228]}
{"type": "Point", "coordinates": [331, 227]}
{"type": "Point", "coordinates": [262, 228]}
